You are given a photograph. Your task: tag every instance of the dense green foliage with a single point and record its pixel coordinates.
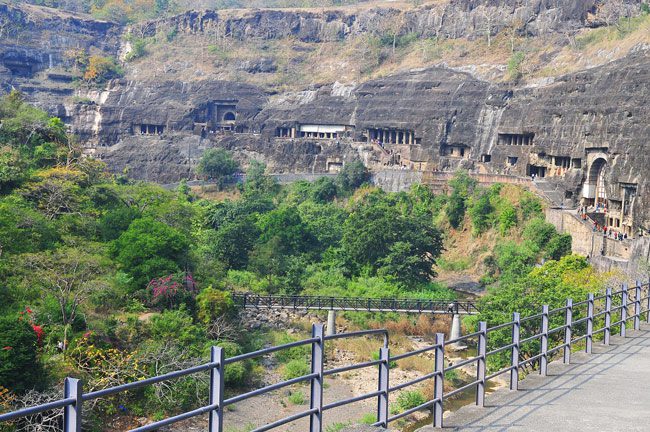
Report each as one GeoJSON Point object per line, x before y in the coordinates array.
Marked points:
{"type": "Point", "coordinates": [124, 279]}
{"type": "Point", "coordinates": [217, 164]}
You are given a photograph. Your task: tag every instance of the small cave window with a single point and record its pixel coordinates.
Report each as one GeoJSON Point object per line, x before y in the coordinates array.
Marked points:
{"type": "Point", "coordinates": [576, 163]}
{"type": "Point", "coordinates": [486, 158]}
{"type": "Point", "coordinates": [229, 116]}
{"type": "Point", "coordinates": [524, 139]}
{"type": "Point", "coordinates": [512, 160]}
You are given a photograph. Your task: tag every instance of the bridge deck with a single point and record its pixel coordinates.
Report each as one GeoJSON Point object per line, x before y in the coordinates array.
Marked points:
{"type": "Point", "coordinates": [249, 300]}
{"type": "Point", "coordinates": [606, 391]}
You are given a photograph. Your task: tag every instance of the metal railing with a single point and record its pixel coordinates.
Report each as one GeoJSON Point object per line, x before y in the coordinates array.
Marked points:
{"type": "Point", "coordinates": [249, 300]}
{"type": "Point", "coordinates": [574, 317]}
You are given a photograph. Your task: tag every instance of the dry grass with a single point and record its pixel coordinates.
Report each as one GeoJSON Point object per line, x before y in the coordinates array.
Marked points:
{"type": "Point", "coordinates": [211, 192]}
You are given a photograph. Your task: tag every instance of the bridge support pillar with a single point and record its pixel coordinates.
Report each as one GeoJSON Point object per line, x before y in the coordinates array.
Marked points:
{"type": "Point", "coordinates": [456, 332]}
{"type": "Point", "coordinates": [331, 323]}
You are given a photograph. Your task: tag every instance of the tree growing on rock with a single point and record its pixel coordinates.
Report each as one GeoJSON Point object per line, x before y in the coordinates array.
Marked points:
{"type": "Point", "coordinates": [217, 164]}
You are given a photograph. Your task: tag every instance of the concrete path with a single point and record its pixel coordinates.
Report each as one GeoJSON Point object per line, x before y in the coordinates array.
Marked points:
{"type": "Point", "coordinates": [606, 391]}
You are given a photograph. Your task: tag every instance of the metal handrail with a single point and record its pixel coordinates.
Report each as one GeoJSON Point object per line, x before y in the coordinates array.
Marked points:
{"type": "Point", "coordinates": [443, 306]}
{"type": "Point", "coordinates": [633, 307]}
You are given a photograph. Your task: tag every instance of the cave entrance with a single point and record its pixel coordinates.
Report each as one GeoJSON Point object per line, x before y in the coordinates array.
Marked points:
{"type": "Point", "coordinates": [537, 171]}
{"type": "Point", "coordinates": [595, 189]}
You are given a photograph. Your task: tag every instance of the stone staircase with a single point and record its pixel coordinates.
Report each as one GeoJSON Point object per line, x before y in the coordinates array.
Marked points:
{"type": "Point", "coordinates": [551, 193]}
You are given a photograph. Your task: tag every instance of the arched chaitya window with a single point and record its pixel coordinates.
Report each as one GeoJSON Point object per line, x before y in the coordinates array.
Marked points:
{"type": "Point", "coordinates": [229, 116]}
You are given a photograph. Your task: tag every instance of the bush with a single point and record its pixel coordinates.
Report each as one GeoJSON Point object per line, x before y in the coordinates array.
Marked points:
{"type": "Point", "coordinates": [352, 176]}
{"type": "Point", "coordinates": [287, 355]}
{"type": "Point", "coordinates": [295, 369]}
{"type": "Point", "coordinates": [138, 49]}
{"type": "Point", "coordinates": [407, 400]}
{"type": "Point", "coordinates": [559, 246]}
{"type": "Point", "coordinates": [236, 373]}
{"type": "Point", "coordinates": [217, 164]}
{"type": "Point", "coordinates": [101, 69]}
{"type": "Point", "coordinates": [539, 232]}
{"type": "Point", "coordinates": [507, 219]}
{"type": "Point", "coordinates": [514, 65]}
{"type": "Point", "coordinates": [297, 398]}
{"type": "Point", "coordinates": [212, 304]}
{"type": "Point", "coordinates": [20, 369]}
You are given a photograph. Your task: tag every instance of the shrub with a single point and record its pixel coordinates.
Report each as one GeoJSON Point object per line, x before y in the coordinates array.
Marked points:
{"type": "Point", "coordinates": [336, 427]}
{"type": "Point", "coordinates": [295, 369]}
{"type": "Point", "coordinates": [101, 69]}
{"type": "Point", "coordinates": [236, 373]}
{"type": "Point", "coordinates": [138, 49]}
{"type": "Point", "coordinates": [507, 219]}
{"type": "Point", "coordinates": [407, 400]}
{"type": "Point", "coordinates": [20, 369]}
{"type": "Point", "coordinates": [297, 398]}
{"type": "Point", "coordinates": [217, 164]}
{"type": "Point", "coordinates": [539, 232]}
{"type": "Point", "coordinates": [514, 65]}
{"type": "Point", "coordinates": [287, 355]}
{"type": "Point", "coordinates": [559, 246]}
{"type": "Point", "coordinates": [212, 304]}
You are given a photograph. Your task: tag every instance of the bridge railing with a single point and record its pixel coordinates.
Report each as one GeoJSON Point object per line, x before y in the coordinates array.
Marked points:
{"type": "Point", "coordinates": [355, 304]}
{"type": "Point", "coordinates": [563, 327]}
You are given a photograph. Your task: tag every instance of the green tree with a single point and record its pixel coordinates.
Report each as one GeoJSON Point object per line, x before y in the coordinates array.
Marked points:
{"type": "Point", "coordinates": [258, 183]}
{"type": "Point", "coordinates": [539, 232]}
{"type": "Point", "coordinates": [352, 175]}
{"type": "Point", "coordinates": [559, 246]}
{"type": "Point", "coordinates": [212, 304]}
{"type": "Point", "coordinates": [507, 218]}
{"type": "Point", "coordinates": [23, 229]}
{"type": "Point", "coordinates": [481, 212]}
{"type": "Point", "coordinates": [233, 241]}
{"type": "Point", "coordinates": [371, 235]}
{"type": "Point", "coordinates": [68, 275]}
{"type": "Point", "coordinates": [149, 249]}
{"type": "Point", "coordinates": [217, 164]}
{"type": "Point", "coordinates": [286, 224]}
{"type": "Point", "coordinates": [462, 186]}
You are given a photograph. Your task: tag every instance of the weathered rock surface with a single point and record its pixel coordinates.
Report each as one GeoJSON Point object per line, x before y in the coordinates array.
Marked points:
{"type": "Point", "coordinates": [451, 19]}
{"type": "Point", "coordinates": [418, 121]}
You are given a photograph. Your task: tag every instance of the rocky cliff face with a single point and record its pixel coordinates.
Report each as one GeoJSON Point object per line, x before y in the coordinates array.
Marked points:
{"type": "Point", "coordinates": [451, 19]}
{"type": "Point", "coordinates": [583, 135]}
{"type": "Point", "coordinates": [33, 46]}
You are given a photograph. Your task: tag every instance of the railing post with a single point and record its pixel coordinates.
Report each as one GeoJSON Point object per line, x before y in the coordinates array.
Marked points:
{"type": "Point", "coordinates": [316, 400]}
{"type": "Point", "coordinates": [438, 380]}
{"type": "Point", "coordinates": [647, 317]}
{"type": "Point", "coordinates": [590, 324]}
{"type": "Point", "coordinates": [608, 316]}
{"type": "Point", "coordinates": [384, 373]}
{"type": "Point", "coordinates": [624, 310]}
{"type": "Point", "coordinates": [543, 361]}
{"type": "Point", "coordinates": [72, 413]}
{"type": "Point", "coordinates": [568, 321]}
{"type": "Point", "coordinates": [637, 306]}
{"type": "Point", "coordinates": [481, 350]}
{"type": "Point", "coordinates": [514, 357]}
{"type": "Point", "coordinates": [216, 389]}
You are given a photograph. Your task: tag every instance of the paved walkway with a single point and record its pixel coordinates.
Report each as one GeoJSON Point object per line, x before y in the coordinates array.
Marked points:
{"type": "Point", "coordinates": [606, 391]}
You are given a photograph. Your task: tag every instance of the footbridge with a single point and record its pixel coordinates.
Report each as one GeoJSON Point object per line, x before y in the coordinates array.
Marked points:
{"type": "Point", "coordinates": [450, 307]}
{"type": "Point", "coordinates": [583, 366]}
{"type": "Point", "coordinates": [455, 308]}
